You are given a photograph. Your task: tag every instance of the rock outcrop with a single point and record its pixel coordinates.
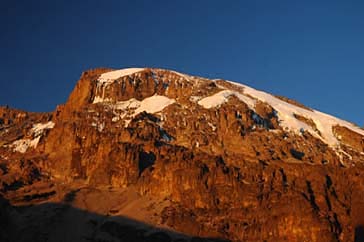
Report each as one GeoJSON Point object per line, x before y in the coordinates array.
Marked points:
{"type": "Point", "coordinates": [218, 159]}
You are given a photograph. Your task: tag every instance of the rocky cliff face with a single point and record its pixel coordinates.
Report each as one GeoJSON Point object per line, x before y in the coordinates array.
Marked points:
{"type": "Point", "coordinates": [212, 158]}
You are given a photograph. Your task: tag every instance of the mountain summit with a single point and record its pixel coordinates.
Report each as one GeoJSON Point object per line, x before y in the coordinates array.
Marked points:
{"type": "Point", "coordinates": [183, 158]}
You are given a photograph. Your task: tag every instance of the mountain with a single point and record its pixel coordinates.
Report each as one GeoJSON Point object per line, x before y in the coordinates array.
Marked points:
{"type": "Point", "coordinates": [145, 154]}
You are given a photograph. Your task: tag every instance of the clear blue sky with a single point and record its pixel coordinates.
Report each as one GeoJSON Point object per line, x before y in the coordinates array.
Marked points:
{"type": "Point", "coordinates": [311, 51]}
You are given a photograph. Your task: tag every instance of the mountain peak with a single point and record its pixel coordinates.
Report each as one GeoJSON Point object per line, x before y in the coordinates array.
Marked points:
{"type": "Point", "coordinates": [127, 88]}
{"type": "Point", "coordinates": [203, 157]}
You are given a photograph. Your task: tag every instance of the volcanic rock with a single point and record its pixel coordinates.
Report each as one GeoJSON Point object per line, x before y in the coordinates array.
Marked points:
{"type": "Point", "coordinates": [145, 154]}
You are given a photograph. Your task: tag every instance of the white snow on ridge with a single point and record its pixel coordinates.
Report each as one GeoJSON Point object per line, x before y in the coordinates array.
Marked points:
{"type": "Point", "coordinates": [107, 78]}
{"type": "Point", "coordinates": [215, 100]}
{"type": "Point", "coordinates": [324, 122]}
{"type": "Point", "coordinates": [186, 77]}
{"type": "Point", "coordinates": [221, 97]}
{"type": "Point", "coordinates": [285, 111]}
{"type": "Point", "coordinates": [111, 76]}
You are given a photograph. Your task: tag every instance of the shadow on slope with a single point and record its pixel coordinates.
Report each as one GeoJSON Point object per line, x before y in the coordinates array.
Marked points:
{"type": "Point", "coordinates": [56, 222]}
{"type": "Point", "coordinates": [359, 234]}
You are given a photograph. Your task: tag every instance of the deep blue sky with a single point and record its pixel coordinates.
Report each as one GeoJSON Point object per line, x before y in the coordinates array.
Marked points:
{"type": "Point", "coordinates": [311, 51]}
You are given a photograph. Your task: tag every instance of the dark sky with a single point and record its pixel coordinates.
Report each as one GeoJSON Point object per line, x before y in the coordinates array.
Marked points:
{"type": "Point", "coordinates": [311, 51]}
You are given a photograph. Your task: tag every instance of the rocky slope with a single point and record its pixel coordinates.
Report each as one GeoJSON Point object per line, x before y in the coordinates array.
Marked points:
{"type": "Point", "coordinates": [163, 156]}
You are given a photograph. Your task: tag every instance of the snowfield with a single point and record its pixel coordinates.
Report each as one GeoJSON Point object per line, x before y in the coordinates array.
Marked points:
{"type": "Point", "coordinates": [285, 111]}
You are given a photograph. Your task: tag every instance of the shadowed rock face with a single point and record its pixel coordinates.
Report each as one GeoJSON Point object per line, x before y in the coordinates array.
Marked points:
{"type": "Point", "coordinates": [61, 222]}
{"type": "Point", "coordinates": [150, 146]}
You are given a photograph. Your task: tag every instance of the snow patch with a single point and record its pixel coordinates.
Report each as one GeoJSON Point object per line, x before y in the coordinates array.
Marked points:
{"type": "Point", "coordinates": [195, 98]}
{"type": "Point", "coordinates": [39, 128]}
{"type": "Point", "coordinates": [111, 76]}
{"type": "Point", "coordinates": [213, 127]}
{"type": "Point", "coordinates": [129, 104]}
{"type": "Point", "coordinates": [154, 104]}
{"type": "Point", "coordinates": [37, 131]}
{"type": "Point", "coordinates": [115, 119]}
{"type": "Point", "coordinates": [127, 122]}
{"type": "Point", "coordinates": [126, 110]}
{"type": "Point", "coordinates": [101, 127]}
{"type": "Point", "coordinates": [23, 144]}
{"type": "Point", "coordinates": [99, 99]}
{"type": "Point", "coordinates": [222, 97]}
